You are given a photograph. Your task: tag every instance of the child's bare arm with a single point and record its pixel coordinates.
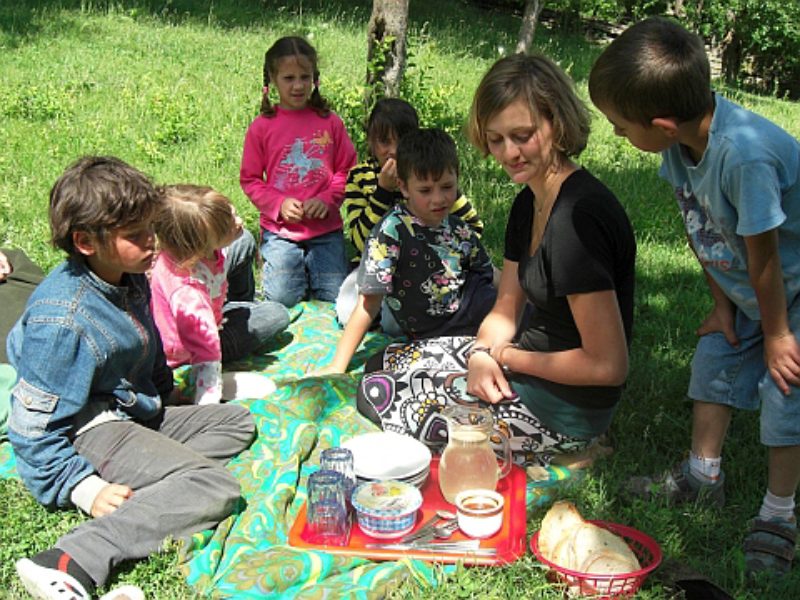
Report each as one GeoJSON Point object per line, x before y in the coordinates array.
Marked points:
{"type": "Point", "coordinates": [781, 350]}
{"type": "Point", "coordinates": [721, 317]}
{"type": "Point", "coordinates": [367, 308]}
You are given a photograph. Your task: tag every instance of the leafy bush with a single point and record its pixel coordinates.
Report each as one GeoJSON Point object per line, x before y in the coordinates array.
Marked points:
{"type": "Point", "coordinates": [759, 39]}
{"type": "Point", "coordinates": [37, 102]}
{"type": "Point", "coordinates": [760, 42]}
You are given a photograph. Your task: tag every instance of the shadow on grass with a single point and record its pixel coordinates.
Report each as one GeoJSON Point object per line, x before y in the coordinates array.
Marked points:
{"type": "Point", "coordinates": [466, 30]}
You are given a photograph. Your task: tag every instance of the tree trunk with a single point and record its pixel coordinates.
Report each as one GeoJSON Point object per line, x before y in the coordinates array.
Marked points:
{"type": "Point", "coordinates": [386, 51]}
{"type": "Point", "coordinates": [732, 52]}
{"type": "Point", "coordinates": [530, 17]}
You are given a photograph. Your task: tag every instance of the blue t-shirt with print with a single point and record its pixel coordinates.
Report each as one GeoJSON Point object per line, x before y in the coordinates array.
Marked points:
{"type": "Point", "coordinates": [746, 183]}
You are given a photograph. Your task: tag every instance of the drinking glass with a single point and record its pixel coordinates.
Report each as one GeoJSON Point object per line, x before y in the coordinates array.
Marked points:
{"type": "Point", "coordinates": [340, 460]}
{"type": "Point", "coordinates": [326, 513]}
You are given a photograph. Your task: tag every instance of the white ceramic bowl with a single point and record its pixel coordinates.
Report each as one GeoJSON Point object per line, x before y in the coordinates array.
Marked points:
{"type": "Point", "coordinates": [480, 512]}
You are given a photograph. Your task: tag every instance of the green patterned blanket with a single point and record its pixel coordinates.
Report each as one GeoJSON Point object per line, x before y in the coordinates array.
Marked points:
{"type": "Point", "coordinates": [247, 555]}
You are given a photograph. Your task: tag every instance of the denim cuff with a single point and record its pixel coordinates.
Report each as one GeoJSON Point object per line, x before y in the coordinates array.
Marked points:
{"type": "Point", "coordinates": [84, 494]}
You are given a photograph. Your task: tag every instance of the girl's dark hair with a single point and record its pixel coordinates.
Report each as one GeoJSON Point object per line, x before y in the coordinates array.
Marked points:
{"type": "Point", "coordinates": [285, 47]}
{"type": "Point", "coordinates": [391, 118]}
{"type": "Point", "coordinates": [96, 195]}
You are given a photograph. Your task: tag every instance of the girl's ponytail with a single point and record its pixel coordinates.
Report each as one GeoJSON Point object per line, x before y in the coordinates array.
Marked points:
{"type": "Point", "coordinates": [317, 102]}
{"type": "Point", "coordinates": [267, 108]}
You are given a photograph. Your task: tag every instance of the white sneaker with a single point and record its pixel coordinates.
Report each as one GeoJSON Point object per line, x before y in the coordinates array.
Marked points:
{"type": "Point", "coordinates": [51, 584]}
{"type": "Point", "coordinates": [242, 385]}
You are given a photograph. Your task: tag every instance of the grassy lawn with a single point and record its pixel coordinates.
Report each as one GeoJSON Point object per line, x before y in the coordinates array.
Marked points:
{"type": "Point", "coordinates": [171, 85]}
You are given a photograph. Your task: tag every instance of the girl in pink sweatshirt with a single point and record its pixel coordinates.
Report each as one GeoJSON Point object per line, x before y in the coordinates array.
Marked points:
{"type": "Point", "coordinates": [197, 229]}
{"type": "Point", "coordinates": [295, 162]}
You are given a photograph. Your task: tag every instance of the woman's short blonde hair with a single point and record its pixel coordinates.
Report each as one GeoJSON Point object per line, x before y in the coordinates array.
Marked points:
{"type": "Point", "coordinates": [547, 90]}
{"type": "Point", "coordinates": [193, 221]}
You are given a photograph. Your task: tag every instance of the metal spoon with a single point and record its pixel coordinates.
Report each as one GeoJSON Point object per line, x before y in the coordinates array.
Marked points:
{"type": "Point", "coordinates": [445, 530]}
{"type": "Point", "coordinates": [427, 528]}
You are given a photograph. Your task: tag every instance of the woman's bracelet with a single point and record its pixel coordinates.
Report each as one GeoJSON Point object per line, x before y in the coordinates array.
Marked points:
{"type": "Point", "coordinates": [477, 350]}
{"type": "Point", "coordinates": [498, 353]}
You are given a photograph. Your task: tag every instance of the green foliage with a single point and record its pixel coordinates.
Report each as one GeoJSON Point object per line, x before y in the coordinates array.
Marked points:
{"type": "Point", "coordinates": [421, 89]}
{"type": "Point", "coordinates": [37, 102]}
{"type": "Point", "coordinates": [176, 123]}
{"type": "Point", "coordinates": [761, 39]}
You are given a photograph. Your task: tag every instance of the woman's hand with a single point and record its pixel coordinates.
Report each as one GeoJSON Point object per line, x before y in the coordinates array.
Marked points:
{"type": "Point", "coordinates": [315, 209]}
{"type": "Point", "coordinates": [485, 379]}
{"type": "Point", "coordinates": [110, 499]}
{"type": "Point", "coordinates": [292, 210]}
{"type": "Point", "coordinates": [782, 357]}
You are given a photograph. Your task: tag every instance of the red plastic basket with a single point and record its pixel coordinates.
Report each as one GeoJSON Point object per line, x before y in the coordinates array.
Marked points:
{"type": "Point", "coordinates": [620, 585]}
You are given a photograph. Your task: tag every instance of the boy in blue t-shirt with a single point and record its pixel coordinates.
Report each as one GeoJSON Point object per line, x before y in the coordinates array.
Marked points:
{"type": "Point", "coordinates": [88, 422]}
{"type": "Point", "coordinates": [736, 176]}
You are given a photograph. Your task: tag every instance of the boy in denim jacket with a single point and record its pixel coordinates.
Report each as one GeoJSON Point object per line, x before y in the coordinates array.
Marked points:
{"type": "Point", "coordinates": [88, 422]}
{"type": "Point", "coordinates": [736, 177]}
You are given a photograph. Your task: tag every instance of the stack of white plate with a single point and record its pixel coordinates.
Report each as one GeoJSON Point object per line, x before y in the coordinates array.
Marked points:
{"type": "Point", "coordinates": [383, 455]}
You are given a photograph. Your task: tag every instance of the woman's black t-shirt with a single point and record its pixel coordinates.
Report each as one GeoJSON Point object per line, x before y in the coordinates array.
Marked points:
{"type": "Point", "coordinates": [588, 246]}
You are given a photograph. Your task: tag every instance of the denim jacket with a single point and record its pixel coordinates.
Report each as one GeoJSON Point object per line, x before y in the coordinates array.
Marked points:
{"type": "Point", "coordinates": [81, 348]}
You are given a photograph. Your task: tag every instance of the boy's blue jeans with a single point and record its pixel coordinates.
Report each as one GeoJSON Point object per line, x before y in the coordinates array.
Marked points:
{"type": "Point", "coordinates": [248, 324]}
{"type": "Point", "coordinates": [175, 466]}
{"type": "Point", "coordinates": [239, 259]}
{"type": "Point", "coordinates": [292, 270]}
{"type": "Point", "coordinates": [738, 377]}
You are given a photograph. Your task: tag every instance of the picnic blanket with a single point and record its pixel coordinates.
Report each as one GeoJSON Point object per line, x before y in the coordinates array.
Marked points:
{"type": "Point", "coordinates": [247, 555]}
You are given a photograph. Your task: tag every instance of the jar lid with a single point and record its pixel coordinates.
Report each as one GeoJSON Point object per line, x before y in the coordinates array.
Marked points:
{"type": "Point", "coordinates": [386, 498]}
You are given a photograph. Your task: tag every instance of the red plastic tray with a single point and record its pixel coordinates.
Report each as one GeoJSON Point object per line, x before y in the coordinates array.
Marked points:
{"type": "Point", "coordinates": [509, 541]}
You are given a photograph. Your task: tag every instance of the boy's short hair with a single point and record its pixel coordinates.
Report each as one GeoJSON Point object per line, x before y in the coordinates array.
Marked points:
{"type": "Point", "coordinates": [193, 219]}
{"type": "Point", "coordinates": [426, 153]}
{"type": "Point", "coordinates": [95, 195]}
{"type": "Point", "coordinates": [391, 118]}
{"type": "Point", "coordinates": [548, 92]}
{"type": "Point", "coordinates": [655, 68]}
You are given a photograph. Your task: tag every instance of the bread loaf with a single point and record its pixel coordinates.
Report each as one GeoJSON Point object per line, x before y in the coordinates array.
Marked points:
{"type": "Point", "coordinates": [562, 516]}
{"type": "Point", "coordinates": [569, 541]}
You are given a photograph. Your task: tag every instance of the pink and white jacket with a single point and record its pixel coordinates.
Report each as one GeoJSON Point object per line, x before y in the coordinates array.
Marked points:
{"type": "Point", "coordinates": [296, 154]}
{"type": "Point", "coordinates": [187, 308]}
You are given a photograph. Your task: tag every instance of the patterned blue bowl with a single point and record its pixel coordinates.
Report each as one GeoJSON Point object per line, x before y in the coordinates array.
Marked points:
{"type": "Point", "coordinates": [386, 509]}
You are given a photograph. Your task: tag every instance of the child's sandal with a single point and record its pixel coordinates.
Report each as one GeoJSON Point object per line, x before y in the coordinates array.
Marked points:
{"type": "Point", "coordinates": [770, 546]}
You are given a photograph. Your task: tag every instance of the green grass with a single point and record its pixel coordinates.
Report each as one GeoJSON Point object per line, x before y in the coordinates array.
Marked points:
{"type": "Point", "coordinates": [170, 86]}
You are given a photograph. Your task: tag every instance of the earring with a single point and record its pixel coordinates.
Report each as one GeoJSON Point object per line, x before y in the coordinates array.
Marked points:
{"type": "Point", "coordinates": [265, 90]}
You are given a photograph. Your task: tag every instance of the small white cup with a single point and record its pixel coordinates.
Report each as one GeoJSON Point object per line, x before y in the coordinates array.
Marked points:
{"type": "Point", "coordinates": [479, 512]}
